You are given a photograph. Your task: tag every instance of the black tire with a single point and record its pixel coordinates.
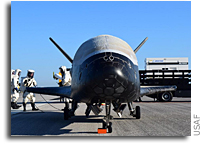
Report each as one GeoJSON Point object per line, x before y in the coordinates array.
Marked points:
{"type": "Point", "coordinates": [66, 113]}
{"type": "Point", "coordinates": [138, 112]}
{"type": "Point", "coordinates": [166, 97]}
{"type": "Point", "coordinates": [109, 127]}
{"type": "Point", "coordinates": [104, 125]}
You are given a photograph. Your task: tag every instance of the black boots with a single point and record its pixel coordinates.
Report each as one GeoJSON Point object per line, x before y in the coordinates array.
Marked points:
{"type": "Point", "coordinates": [24, 106]}
{"type": "Point", "coordinates": [33, 107]}
{"type": "Point", "coordinates": [14, 105]}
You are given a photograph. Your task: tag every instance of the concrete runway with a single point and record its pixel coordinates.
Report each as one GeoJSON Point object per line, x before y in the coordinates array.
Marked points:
{"type": "Point", "coordinates": [157, 119]}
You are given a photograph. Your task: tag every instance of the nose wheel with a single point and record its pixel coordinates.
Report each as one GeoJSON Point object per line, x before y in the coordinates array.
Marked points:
{"type": "Point", "coordinates": [107, 127]}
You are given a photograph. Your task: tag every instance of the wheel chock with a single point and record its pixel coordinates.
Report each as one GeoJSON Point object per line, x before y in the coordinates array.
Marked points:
{"type": "Point", "coordinates": [102, 131]}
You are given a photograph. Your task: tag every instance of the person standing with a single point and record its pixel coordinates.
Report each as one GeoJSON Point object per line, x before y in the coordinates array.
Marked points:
{"type": "Point", "coordinates": [15, 89]}
{"type": "Point", "coordinates": [64, 79]}
{"type": "Point", "coordinates": [29, 81]}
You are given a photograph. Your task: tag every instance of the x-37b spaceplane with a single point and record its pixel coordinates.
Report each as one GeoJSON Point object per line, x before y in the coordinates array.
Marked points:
{"type": "Point", "coordinates": [104, 70]}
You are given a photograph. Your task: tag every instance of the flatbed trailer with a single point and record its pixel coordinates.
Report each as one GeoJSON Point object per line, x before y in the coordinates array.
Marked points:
{"type": "Point", "coordinates": [180, 78]}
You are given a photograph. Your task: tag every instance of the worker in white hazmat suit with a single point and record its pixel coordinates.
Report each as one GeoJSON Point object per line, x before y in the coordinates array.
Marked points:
{"type": "Point", "coordinates": [29, 81]}
{"type": "Point", "coordinates": [64, 78]}
{"type": "Point", "coordinates": [15, 89]}
{"type": "Point", "coordinates": [12, 74]}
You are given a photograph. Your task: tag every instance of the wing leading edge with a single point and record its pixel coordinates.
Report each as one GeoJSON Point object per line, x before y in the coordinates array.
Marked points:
{"type": "Point", "coordinates": [58, 91]}
{"type": "Point", "coordinates": [149, 90]}
{"type": "Point", "coordinates": [66, 91]}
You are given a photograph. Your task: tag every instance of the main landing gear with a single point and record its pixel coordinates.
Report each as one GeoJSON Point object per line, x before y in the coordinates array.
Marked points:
{"type": "Point", "coordinates": [106, 124]}
{"type": "Point", "coordinates": [134, 112]}
{"type": "Point", "coordinates": [69, 112]}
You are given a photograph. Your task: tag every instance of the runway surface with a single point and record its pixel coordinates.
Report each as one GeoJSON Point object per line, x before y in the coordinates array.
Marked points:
{"type": "Point", "coordinates": [157, 119]}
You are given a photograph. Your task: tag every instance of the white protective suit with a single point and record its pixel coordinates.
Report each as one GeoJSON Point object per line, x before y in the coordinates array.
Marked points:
{"type": "Point", "coordinates": [65, 76]}
{"type": "Point", "coordinates": [29, 81]}
{"type": "Point", "coordinates": [15, 89]}
{"type": "Point", "coordinates": [12, 74]}
{"type": "Point", "coordinates": [65, 79]}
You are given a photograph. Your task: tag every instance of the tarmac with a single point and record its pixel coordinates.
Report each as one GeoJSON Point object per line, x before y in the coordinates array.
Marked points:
{"type": "Point", "coordinates": [157, 119]}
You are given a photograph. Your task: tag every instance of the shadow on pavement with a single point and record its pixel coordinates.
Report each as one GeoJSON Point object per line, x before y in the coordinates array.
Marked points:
{"type": "Point", "coordinates": [47, 123]}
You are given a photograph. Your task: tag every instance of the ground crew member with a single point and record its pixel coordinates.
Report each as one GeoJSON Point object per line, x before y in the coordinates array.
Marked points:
{"type": "Point", "coordinates": [64, 78]}
{"type": "Point", "coordinates": [12, 74]}
{"type": "Point", "coordinates": [15, 89]}
{"type": "Point", "coordinates": [29, 81]}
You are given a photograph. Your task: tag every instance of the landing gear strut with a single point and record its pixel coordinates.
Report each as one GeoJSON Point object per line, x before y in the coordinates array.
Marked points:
{"type": "Point", "coordinates": [134, 112]}
{"type": "Point", "coordinates": [67, 112]}
{"type": "Point", "coordinates": [118, 108]}
{"type": "Point", "coordinates": [107, 125]}
{"type": "Point", "coordinates": [88, 110]}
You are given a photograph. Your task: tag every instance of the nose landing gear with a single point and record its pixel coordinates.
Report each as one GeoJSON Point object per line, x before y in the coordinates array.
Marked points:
{"type": "Point", "coordinates": [106, 125]}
